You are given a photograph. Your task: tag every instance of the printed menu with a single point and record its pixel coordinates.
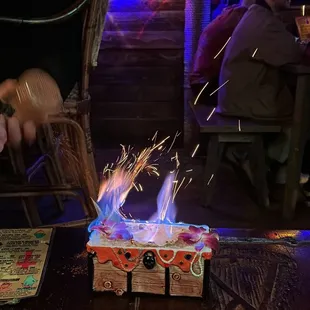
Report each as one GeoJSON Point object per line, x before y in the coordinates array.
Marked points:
{"type": "Point", "coordinates": [303, 25]}
{"type": "Point", "coordinates": [23, 256]}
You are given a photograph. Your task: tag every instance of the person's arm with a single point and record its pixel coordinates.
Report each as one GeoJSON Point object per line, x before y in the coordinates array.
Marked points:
{"type": "Point", "coordinates": [278, 47]}
{"type": "Point", "coordinates": [10, 127]}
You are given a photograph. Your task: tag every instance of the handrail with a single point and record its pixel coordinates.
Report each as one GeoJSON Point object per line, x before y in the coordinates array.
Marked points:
{"type": "Point", "coordinates": [60, 17]}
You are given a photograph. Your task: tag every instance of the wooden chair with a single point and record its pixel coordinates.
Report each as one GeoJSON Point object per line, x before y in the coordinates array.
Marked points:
{"type": "Point", "coordinates": [223, 131]}
{"type": "Point", "coordinates": [25, 189]}
{"type": "Point", "coordinates": [77, 105]}
{"type": "Point", "coordinates": [72, 124]}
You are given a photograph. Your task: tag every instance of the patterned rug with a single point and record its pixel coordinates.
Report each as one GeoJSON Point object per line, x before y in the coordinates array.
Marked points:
{"type": "Point", "coordinates": [254, 277]}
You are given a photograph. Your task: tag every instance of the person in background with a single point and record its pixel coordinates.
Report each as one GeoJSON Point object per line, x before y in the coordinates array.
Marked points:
{"type": "Point", "coordinates": [209, 55]}
{"type": "Point", "coordinates": [252, 84]}
{"type": "Point", "coordinates": [11, 131]}
{"type": "Point", "coordinates": [259, 45]}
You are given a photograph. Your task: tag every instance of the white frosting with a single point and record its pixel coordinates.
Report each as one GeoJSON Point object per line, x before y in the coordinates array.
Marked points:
{"type": "Point", "coordinates": [149, 235]}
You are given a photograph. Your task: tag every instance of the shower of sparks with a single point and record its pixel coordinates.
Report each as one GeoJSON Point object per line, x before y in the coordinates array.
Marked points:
{"type": "Point", "coordinates": [253, 55]}
{"type": "Point", "coordinates": [122, 174]}
{"type": "Point", "coordinates": [210, 179]}
{"type": "Point", "coordinates": [198, 96]}
{"type": "Point", "coordinates": [239, 125]}
{"type": "Point", "coordinates": [213, 110]}
{"type": "Point", "coordinates": [127, 167]}
{"type": "Point", "coordinates": [303, 10]}
{"type": "Point", "coordinates": [219, 88]}
{"type": "Point", "coordinates": [195, 150]}
{"type": "Point", "coordinates": [220, 51]}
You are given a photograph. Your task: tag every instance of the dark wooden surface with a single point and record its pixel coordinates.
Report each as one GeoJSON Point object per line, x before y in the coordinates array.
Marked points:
{"type": "Point", "coordinates": [137, 87]}
{"type": "Point", "coordinates": [221, 124]}
{"type": "Point", "coordinates": [252, 270]}
{"type": "Point", "coordinates": [297, 69]}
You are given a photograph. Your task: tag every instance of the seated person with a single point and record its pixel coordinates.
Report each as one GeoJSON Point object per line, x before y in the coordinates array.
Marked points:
{"type": "Point", "coordinates": [253, 85]}
{"type": "Point", "coordinates": [210, 52]}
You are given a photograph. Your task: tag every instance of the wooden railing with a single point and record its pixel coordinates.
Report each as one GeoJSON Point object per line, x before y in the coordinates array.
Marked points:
{"type": "Point", "coordinates": [57, 18]}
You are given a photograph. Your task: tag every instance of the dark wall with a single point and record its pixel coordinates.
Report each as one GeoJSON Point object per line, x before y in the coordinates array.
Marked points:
{"type": "Point", "coordinates": [137, 88]}
{"type": "Point", "coordinates": [54, 48]}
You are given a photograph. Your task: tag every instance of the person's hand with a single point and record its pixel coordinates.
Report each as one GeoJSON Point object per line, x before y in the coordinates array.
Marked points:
{"type": "Point", "coordinates": [11, 130]}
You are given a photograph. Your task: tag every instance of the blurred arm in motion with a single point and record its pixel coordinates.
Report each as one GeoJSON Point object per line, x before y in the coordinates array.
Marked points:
{"type": "Point", "coordinates": [11, 129]}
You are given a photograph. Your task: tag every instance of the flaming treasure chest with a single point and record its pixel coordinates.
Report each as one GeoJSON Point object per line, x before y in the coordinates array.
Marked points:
{"type": "Point", "coordinates": [144, 257]}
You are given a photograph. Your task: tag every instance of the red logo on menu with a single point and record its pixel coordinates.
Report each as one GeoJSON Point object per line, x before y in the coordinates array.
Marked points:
{"type": "Point", "coordinates": [26, 263]}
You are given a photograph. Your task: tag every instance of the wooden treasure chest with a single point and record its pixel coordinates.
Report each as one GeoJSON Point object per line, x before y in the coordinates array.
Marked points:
{"type": "Point", "coordinates": [164, 259]}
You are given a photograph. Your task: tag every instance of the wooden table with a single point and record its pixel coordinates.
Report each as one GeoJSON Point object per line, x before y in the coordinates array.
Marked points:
{"type": "Point", "coordinates": [252, 270]}
{"type": "Point", "coordinates": [300, 133]}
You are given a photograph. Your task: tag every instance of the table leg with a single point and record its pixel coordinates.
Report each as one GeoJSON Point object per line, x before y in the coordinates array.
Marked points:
{"type": "Point", "coordinates": [299, 136]}
{"type": "Point", "coordinates": [214, 157]}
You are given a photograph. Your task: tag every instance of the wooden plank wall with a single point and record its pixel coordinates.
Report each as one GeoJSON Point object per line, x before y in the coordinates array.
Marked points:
{"type": "Point", "coordinates": [137, 87]}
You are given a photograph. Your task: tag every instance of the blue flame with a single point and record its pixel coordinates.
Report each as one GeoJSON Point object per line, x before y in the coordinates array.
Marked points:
{"type": "Point", "coordinates": [166, 209]}
{"type": "Point", "coordinates": [113, 194]}
{"type": "Point", "coordinates": [113, 197]}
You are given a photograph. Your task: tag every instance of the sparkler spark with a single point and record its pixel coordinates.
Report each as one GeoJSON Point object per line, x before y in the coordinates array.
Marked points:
{"type": "Point", "coordinates": [190, 180]}
{"type": "Point", "coordinates": [210, 179]}
{"type": "Point", "coordinates": [220, 51]}
{"type": "Point", "coordinates": [155, 136]}
{"type": "Point", "coordinates": [198, 96]}
{"type": "Point", "coordinates": [177, 188]}
{"type": "Point", "coordinates": [253, 55]}
{"type": "Point", "coordinates": [173, 141]}
{"type": "Point", "coordinates": [195, 150]}
{"type": "Point", "coordinates": [213, 110]}
{"type": "Point", "coordinates": [219, 88]}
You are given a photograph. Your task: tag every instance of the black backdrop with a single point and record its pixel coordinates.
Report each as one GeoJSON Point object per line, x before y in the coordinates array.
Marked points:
{"type": "Point", "coordinates": [54, 48]}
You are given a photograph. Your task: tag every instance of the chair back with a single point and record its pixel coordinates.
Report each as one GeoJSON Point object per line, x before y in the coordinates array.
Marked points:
{"type": "Point", "coordinates": [93, 28]}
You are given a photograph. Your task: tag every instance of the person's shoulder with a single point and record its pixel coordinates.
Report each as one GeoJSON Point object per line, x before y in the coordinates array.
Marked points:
{"type": "Point", "coordinates": [258, 9]}
{"type": "Point", "coordinates": [233, 8]}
